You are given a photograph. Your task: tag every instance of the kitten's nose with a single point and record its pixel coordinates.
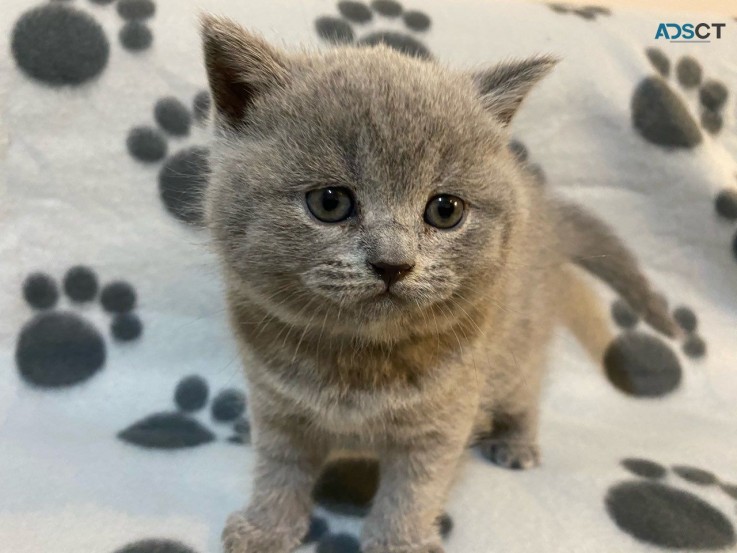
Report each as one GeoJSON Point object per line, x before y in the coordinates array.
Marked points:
{"type": "Point", "coordinates": [391, 272]}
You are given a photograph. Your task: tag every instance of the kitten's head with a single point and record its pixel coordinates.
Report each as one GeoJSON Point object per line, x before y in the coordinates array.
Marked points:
{"type": "Point", "coordinates": [360, 190]}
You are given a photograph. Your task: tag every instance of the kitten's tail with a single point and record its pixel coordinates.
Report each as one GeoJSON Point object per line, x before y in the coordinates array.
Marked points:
{"type": "Point", "coordinates": [590, 243]}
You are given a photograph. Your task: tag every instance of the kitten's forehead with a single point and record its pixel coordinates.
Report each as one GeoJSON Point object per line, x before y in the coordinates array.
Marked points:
{"type": "Point", "coordinates": [388, 117]}
{"type": "Point", "coordinates": [390, 92]}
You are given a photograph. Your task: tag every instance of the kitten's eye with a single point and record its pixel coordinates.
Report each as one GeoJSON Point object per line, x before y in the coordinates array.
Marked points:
{"type": "Point", "coordinates": [444, 211]}
{"type": "Point", "coordinates": [330, 205]}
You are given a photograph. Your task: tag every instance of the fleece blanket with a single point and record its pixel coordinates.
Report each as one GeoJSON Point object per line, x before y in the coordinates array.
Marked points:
{"type": "Point", "coordinates": [123, 410]}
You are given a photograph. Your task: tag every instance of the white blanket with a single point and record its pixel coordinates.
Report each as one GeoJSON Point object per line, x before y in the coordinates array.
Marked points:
{"type": "Point", "coordinates": [122, 423]}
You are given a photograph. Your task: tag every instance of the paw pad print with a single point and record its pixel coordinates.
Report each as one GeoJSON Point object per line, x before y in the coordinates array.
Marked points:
{"type": "Point", "coordinates": [693, 345]}
{"type": "Point", "coordinates": [644, 365]}
{"type": "Point", "coordinates": [659, 513]}
{"type": "Point", "coordinates": [726, 207]}
{"type": "Point", "coordinates": [183, 175]}
{"type": "Point", "coordinates": [329, 542]}
{"type": "Point", "coordinates": [661, 116]}
{"type": "Point", "coordinates": [59, 44]}
{"type": "Point", "coordinates": [61, 348]}
{"type": "Point", "coordinates": [357, 25]}
{"type": "Point", "coordinates": [347, 487]}
{"type": "Point", "coordinates": [586, 12]}
{"type": "Point", "coordinates": [181, 429]}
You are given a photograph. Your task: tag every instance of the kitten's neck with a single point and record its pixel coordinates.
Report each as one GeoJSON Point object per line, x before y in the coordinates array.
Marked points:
{"type": "Point", "coordinates": [355, 361]}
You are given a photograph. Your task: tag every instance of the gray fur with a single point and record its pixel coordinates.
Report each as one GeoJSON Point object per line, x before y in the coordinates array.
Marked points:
{"type": "Point", "coordinates": [504, 86]}
{"type": "Point", "coordinates": [588, 242]}
{"type": "Point", "coordinates": [454, 355]}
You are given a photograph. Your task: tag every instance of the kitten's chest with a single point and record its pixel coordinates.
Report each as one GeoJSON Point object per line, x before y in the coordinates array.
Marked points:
{"type": "Point", "coordinates": [346, 369]}
{"type": "Point", "coordinates": [354, 391]}
{"type": "Point", "coordinates": [346, 385]}
{"type": "Point", "coordinates": [371, 414]}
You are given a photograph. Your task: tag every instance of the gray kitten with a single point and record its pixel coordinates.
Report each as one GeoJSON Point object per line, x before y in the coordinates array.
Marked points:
{"type": "Point", "coordinates": [392, 274]}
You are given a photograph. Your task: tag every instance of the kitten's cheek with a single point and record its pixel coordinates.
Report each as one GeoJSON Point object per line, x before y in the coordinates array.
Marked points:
{"type": "Point", "coordinates": [422, 295]}
{"type": "Point", "coordinates": [339, 290]}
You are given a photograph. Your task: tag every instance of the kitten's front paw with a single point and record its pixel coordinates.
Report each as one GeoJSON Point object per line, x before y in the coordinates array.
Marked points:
{"type": "Point", "coordinates": [242, 536]}
{"type": "Point", "coordinates": [511, 455]}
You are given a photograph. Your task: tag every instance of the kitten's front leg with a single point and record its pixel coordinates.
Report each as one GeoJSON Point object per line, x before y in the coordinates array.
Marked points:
{"type": "Point", "coordinates": [277, 516]}
{"type": "Point", "coordinates": [414, 483]}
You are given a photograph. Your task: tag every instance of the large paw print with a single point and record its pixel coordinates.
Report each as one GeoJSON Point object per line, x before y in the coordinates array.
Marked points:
{"type": "Point", "coordinates": [585, 12]}
{"type": "Point", "coordinates": [726, 207]}
{"type": "Point", "coordinates": [180, 429]}
{"type": "Point", "coordinates": [59, 44]}
{"type": "Point", "coordinates": [59, 348]}
{"type": "Point", "coordinates": [661, 514]}
{"type": "Point", "coordinates": [347, 487]}
{"type": "Point", "coordinates": [662, 117]}
{"type": "Point", "coordinates": [342, 30]}
{"type": "Point", "coordinates": [644, 365]}
{"type": "Point", "coordinates": [156, 546]}
{"type": "Point", "coordinates": [183, 175]}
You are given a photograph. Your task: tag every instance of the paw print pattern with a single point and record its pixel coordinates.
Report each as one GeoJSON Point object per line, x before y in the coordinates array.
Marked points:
{"type": "Point", "coordinates": [586, 12]}
{"type": "Point", "coordinates": [726, 207]}
{"type": "Point", "coordinates": [347, 487]}
{"type": "Point", "coordinates": [59, 44]}
{"type": "Point", "coordinates": [354, 14]}
{"type": "Point", "coordinates": [661, 514]}
{"type": "Point", "coordinates": [183, 175]}
{"type": "Point", "coordinates": [645, 365]}
{"type": "Point", "coordinates": [156, 546]}
{"type": "Point", "coordinates": [660, 115]}
{"type": "Point", "coordinates": [338, 543]}
{"type": "Point", "coordinates": [519, 150]}
{"type": "Point", "coordinates": [61, 348]}
{"type": "Point", "coordinates": [693, 345]}
{"type": "Point", "coordinates": [327, 541]}
{"type": "Point", "coordinates": [318, 528]}
{"type": "Point", "coordinates": [180, 429]}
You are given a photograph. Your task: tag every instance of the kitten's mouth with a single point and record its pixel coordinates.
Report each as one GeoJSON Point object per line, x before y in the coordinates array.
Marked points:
{"type": "Point", "coordinates": [389, 296]}
{"type": "Point", "coordinates": [386, 292]}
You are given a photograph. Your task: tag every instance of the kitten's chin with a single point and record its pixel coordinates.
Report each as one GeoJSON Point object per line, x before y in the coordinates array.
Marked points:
{"type": "Point", "coordinates": [369, 311]}
{"type": "Point", "coordinates": [356, 299]}
{"type": "Point", "coordinates": [389, 316]}
{"type": "Point", "coordinates": [380, 318]}
{"type": "Point", "coordinates": [392, 318]}
{"type": "Point", "coordinates": [378, 303]}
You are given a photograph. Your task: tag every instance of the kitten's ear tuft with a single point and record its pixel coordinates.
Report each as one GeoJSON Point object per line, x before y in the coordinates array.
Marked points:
{"type": "Point", "coordinates": [504, 86]}
{"type": "Point", "coordinates": [240, 66]}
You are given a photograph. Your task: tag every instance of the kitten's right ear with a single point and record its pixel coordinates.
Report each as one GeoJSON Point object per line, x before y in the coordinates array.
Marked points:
{"type": "Point", "coordinates": [240, 67]}
{"type": "Point", "coordinates": [504, 86]}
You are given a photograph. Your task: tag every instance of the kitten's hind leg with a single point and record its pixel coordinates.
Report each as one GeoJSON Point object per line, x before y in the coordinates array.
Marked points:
{"type": "Point", "coordinates": [512, 442]}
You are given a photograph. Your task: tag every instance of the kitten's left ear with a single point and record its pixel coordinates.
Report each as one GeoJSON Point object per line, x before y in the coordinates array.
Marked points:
{"type": "Point", "coordinates": [504, 86]}
{"type": "Point", "coordinates": [240, 67]}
